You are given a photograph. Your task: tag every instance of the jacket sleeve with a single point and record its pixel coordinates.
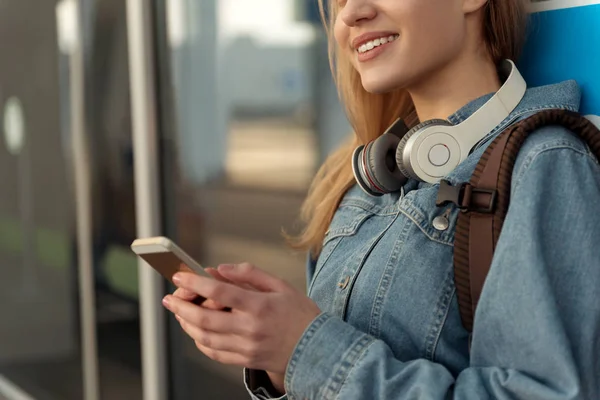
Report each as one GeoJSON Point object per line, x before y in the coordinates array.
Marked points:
{"type": "Point", "coordinates": [259, 385]}
{"type": "Point", "coordinates": [537, 326]}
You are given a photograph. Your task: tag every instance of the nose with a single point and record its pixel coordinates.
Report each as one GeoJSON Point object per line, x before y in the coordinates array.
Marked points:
{"type": "Point", "coordinates": [357, 11]}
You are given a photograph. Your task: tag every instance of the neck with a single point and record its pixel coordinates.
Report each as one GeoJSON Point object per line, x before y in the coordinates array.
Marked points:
{"type": "Point", "coordinates": [445, 91]}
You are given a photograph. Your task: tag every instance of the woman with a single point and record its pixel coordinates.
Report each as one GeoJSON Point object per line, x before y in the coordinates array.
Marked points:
{"type": "Point", "coordinates": [382, 320]}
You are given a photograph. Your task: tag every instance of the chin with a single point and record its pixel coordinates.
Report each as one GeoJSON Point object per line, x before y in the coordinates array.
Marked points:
{"type": "Point", "coordinates": [379, 84]}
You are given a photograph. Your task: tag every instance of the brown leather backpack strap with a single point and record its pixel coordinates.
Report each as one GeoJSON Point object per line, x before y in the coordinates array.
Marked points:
{"type": "Point", "coordinates": [474, 242]}
{"type": "Point", "coordinates": [481, 226]}
{"type": "Point", "coordinates": [485, 200]}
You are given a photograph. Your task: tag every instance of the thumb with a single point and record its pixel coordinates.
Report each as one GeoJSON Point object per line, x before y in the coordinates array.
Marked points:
{"type": "Point", "coordinates": [248, 274]}
{"type": "Point", "coordinates": [184, 294]}
{"type": "Point", "coordinates": [215, 274]}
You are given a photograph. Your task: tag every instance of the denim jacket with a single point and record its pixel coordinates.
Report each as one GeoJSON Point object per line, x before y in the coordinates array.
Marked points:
{"type": "Point", "coordinates": [390, 326]}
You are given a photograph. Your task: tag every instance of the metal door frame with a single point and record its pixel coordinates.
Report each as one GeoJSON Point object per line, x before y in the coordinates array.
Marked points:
{"type": "Point", "coordinates": [143, 82]}
{"type": "Point", "coordinates": [83, 193]}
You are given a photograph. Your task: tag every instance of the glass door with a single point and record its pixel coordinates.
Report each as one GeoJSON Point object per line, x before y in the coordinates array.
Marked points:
{"type": "Point", "coordinates": [68, 282]}
{"type": "Point", "coordinates": [39, 296]}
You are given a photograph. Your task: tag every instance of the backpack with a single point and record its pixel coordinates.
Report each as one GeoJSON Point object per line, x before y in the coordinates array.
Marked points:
{"type": "Point", "coordinates": [484, 201]}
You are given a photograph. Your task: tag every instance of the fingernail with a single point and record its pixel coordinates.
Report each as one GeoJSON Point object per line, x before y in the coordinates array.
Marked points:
{"type": "Point", "coordinates": [226, 267]}
{"type": "Point", "coordinates": [165, 301]}
{"type": "Point", "coordinates": [177, 279]}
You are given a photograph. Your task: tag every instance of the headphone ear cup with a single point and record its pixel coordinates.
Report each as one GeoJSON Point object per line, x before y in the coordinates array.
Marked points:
{"type": "Point", "coordinates": [402, 164]}
{"type": "Point", "coordinates": [382, 164]}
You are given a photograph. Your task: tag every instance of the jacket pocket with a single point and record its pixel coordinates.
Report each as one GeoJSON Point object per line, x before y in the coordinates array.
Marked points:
{"type": "Point", "coordinates": [345, 223]}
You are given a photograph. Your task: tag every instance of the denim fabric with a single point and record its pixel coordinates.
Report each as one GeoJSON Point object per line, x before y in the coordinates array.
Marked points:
{"type": "Point", "coordinates": [391, 328]}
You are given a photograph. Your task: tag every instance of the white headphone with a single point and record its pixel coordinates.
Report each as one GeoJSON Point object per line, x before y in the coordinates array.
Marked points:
{"type": "Point", "coordinates": [432, 149]}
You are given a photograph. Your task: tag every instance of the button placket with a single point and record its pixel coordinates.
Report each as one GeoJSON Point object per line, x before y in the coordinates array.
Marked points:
{"type": "Point", "coordinates": [343, 287]}
{"type": "Point", "coordinates": [350, 273]}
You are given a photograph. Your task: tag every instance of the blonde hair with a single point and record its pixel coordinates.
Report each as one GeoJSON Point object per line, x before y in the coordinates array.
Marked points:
{"type": "Point", "coordinates": [370, 114]}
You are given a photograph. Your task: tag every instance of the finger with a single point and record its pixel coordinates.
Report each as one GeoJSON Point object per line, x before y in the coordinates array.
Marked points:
{"type": "Point", "coordinates": [209, 339]}
{"type": "Point", "coordinates": [213, 305]}
{"type": "Point", "coordinates": [201, 301]}
{"type": "Point", "coordinates": [247, 273]}
{"type": "Point", "coordinates": [203, 318]}
{"type": "Point", "coordinates": [184, 294]}
{"type": "Point", "coordinates": [210, 304]}
{"type": "Point", "coordinates": [190, 296]}
{"type": "Point", "coordinates": [224, 357]}
{"type": "Point", "coordinates": [215, 274]}
{"type": "Point", "coordinates": [194, 298]}
{"type": "Point", "coordinates": [221, 278]}
{"type": "Point", "coordinates": [227, 294]}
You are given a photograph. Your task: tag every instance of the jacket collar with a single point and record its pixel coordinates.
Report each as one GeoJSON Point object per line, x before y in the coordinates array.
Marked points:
{"type": "Point", "coordinates": [564, 95]}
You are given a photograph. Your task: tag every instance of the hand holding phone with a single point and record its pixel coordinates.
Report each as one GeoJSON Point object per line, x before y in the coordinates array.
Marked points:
{"type": "Point", "coordinates": [167, 259]}
{"type": "Point", "coordinates": [187, 295]}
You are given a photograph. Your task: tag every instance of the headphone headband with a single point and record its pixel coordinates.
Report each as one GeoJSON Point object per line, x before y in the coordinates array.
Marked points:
{"type": "Point", "coordinates": [498, 108]}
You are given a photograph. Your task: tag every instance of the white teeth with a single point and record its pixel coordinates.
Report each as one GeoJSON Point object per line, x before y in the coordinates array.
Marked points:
{"type": "Point", "coordinates": [375, 43]}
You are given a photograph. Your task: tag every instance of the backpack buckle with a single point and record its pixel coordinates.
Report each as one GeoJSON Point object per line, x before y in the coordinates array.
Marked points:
{"type": "Point", "coordinates": [467, 197]}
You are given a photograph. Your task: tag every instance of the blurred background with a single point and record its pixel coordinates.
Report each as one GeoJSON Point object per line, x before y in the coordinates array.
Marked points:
{"type": "Point", "coordinates": [200, 120]}
{"type": "Point", "coordinates": [239, 92]}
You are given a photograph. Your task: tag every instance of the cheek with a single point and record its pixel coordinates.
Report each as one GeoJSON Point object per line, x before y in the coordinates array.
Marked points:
{"type": "Point", "coordinates": [430, 44]}
{"type": "Point", "coordinates": [436, 28]}
{"type": "Point", "coordinates": [341, 32]}
{"type": "Point", "coordinates": [423, 19]}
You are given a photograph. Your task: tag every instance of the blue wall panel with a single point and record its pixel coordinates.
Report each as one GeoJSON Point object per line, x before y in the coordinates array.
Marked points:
{"type": "Point", "coordinates": [564, 43]}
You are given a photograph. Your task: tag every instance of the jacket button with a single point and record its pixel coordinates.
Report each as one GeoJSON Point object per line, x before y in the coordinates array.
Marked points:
{"type": "Point", "coordinates": [441, 223]}
{"type": "Point", "coordinates": [343, 284]}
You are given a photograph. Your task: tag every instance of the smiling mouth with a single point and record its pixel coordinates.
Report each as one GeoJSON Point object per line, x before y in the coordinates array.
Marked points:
{"type": "Point", "coordinates": [373, 44]}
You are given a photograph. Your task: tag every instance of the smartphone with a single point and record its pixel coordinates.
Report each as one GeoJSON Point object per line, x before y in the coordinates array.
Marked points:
{"type": "Point", "coordinates": [166, 257]}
